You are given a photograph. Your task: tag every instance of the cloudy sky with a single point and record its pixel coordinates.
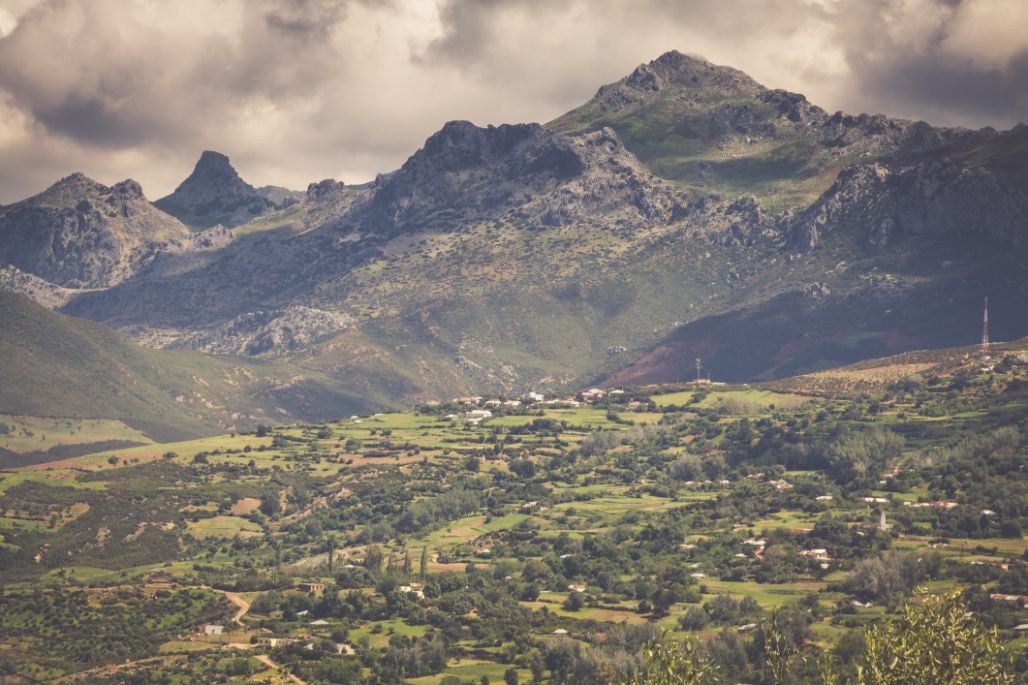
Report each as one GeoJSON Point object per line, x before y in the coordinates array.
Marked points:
{"type": "Point", "coordinates": [299, 90]}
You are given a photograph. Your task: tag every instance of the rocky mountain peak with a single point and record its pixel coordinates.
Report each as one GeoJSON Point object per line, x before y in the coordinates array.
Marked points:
{"type": "Point", "coordinates": [211, 160]}
{"type": "Point", "coordinates": [80, 233]}
{"type": "Point", "coordinates": [215, 194]}
{"type": "Point", "coordinates": [460, 144]}
{"type": "Point", "coordinates": [74, 184]}
{"type": "Point", "coordinates": [676, 69]}
{"type": "Point", "coordinates": [213, 168]}
{"type": "Point", "coordinates": [525, 172]}
{"type": "Point", "coordinates": [683, 76]}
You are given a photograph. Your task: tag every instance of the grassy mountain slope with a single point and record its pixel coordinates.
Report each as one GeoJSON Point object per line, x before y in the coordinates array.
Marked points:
{"type": "Point", "coordinates": [713, 129]}
{"type": "Point", "coordinates": [58, 366]}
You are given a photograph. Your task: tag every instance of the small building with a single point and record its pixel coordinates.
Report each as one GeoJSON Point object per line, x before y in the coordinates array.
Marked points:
{"type": "Point", "coordinates": [210, 629]}
{"type": "Point", "coordinates": [311, 588]}
{"type": "Point", "coordinates": [819, 554]}
{"type": "Point", "coordinates": [577, 587]}
{"type": "Point", "coordinates": [412, 589]}
{"type": "Point", "coordinates": [478, 414]}
{"type": "Point", "coordinates": [276, 641]}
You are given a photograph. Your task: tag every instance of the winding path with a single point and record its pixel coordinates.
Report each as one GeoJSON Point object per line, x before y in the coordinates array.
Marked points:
{"type": "Point", "coordinates": [266, 660]}
{"type": "Point", "coordinates": [242, 602]}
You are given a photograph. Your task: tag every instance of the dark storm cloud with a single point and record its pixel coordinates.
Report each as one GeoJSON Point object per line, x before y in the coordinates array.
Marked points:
{"type": "Point", "coordinates": [297, 90]}
{"type": "Point", "coordinates": [967, 62]}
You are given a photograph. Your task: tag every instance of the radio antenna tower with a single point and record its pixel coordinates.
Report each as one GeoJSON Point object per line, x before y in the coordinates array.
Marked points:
{"type": "Point", "coordinates": [698, 363]}
{"type": "Point", "coordinates": [985, 329]}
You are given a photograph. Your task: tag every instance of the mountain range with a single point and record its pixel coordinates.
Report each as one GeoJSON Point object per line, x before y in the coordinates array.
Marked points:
{"type": "Point", "coordinates": [684, 212]}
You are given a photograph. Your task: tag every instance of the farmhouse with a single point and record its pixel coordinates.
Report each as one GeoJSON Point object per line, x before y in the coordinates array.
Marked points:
{"type": "Point", "coordinates": [276, 641]}
{"type": "Point", "coordinates": [478, 414]}
{"type": "Point", "coordinates": [819, 554]}
{"type": "Point", "coordinates": [413, 588]}
{"type": "Point", "coordinates": [210, 629]}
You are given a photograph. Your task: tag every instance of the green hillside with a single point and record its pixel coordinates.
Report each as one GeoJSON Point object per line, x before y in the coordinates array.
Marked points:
{"type": "Point", "coordinates": [58, 366]}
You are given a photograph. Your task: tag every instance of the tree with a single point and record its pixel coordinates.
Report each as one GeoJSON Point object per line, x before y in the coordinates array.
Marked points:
{"type": "Point", "coordinates": [560, 659]}
{"type": "Point", "coordinates": [331, 551]}
{"type": "Point", "coordinates": [933, 642]}
{"type": "Point", "coordinates": [423, 566]}
{"type": "Point", "coordinates": [270, 503]}
{"type": "Point", "coordinates": [510, 676]}
{"type": "Point", "coordinates": [666, 663]}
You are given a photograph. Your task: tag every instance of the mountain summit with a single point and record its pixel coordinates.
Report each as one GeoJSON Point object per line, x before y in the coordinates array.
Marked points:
{"type": "Point", "coordinates": [215, 194]}
{"type": "Point", "coordinates": [80, 233]}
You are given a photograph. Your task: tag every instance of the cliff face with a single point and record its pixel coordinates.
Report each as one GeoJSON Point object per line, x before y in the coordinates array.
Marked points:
{"type": "Point", "coordinates": [878, 205]}
{"type": "Point", "coordinates": [82, 234]}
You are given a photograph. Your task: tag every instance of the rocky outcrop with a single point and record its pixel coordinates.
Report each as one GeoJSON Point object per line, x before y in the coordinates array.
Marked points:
{"type": "Point", "coordinates": [14, 280]}
{"type": "Point", "coordinates": [82, 234]}
{"type": "Point", "coordinates": [215, 194]}
{"type": "Point", "coordinates": [268, 333]}
{"type": "Point", "coordinates": [879, 204]}
{"type": "Point", "coordinates": [523, 173]}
